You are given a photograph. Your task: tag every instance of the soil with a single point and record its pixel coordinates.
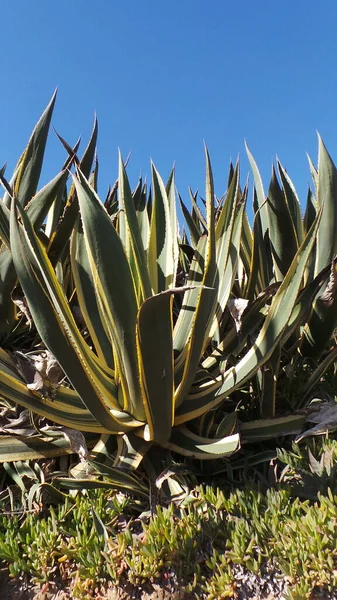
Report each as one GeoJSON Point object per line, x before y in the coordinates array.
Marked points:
{"type": "Point", "coordinates": [21, 590]}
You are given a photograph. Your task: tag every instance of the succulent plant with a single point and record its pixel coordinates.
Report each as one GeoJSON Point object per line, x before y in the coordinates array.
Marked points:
{"type": "Point", "coordinates": [158, 334]}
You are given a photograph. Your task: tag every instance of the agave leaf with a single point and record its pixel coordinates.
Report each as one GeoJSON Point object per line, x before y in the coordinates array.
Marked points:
{"type": "Point", "coordinates": [293, 204]}
{"type": "Point", "coordinates": [195, 231]}
{"type": "Point", "coordinates": [171, 196]}
{"type": "Point", "coordinates": [28, 168]}
{"type": "Point", "coordinates": [55, 323]}
{"type": "Point", "coordinates": [24, 470]}
{"type": "Point", "coordinates": [8, 279]}
{"type": "Point", "coordinates": [90, 151]}
{"type": "Point", "coordinates": [227, 425]}
{"type": "Point", "coordinates": [101, 530]}
{"type": "Point", "coordinates": [320, 327]}
{"type": "Point", "coordinates": [322, 322]}
{"type": "Point", "coordinates": [86, 296]}
{"type": "Point", "coordinates": [264, 429]}
{"type": "Point", "coordinates": [206, 302]}
{"type": "Point", "coordinates": [37, 209]}
{"type": "Point", "coordinates": [183, 324]}
{"type": "Point", "coordinates": [261, 218]}
{"type": "Point", "coordinates": [227, 233]}
{"type": "Point", "coordinates": [143, 219]}
{"type": "Point", "coordinates": [93, 178]}
{"type": "Point", "coordinates": [61, 235]}
{"type": "Point", "coordinates": [15, 476]}
{"type": "Point", "coordinates": [310, 211]}
{"type": "Point", "coordinates": [168, 478]}
{"type": "Point", "coordinates": [138, 195]}
{"type": "Point", "coordinates": [314, 172]}
{"type": "Point", "coordinates": [202, 397]}
{"type": "Point", "coordinates": [257, 275]}
{"type": "Point", "coordinates": [326, 198]}
{"type": "Point", "coordinates": [131, 450]}
{"type": "Point", "coordinates": [197, 215]}
{"type": "Point", "coordinates": [270, 372]}
{"type": "Point", "coordinates": [154, 341]}
{"type": "Point", "coordinates": [246, 248]}
{"type": "Point", "coordinates": [188, 443]}
{"type": "Point", "coordinates": [55, 212]}
{"type": "Point", "coordinates": [316, 376]}
{"type": "Point", "coordinates": [133, 232]}
{"type": "Point", "coordinates": [283, 237]}
{"type": "Point", "coordinates": [117, 480]}
{"type": "Point", "coordinates": [309, 217]}
{"type": "Point", "coordinates": [162, 262]}
{"type": "Point", "coordinates": [4, 223]}
{"type": "Point", "coordinates": [115, 291]}
{"type": "Point", "coordinates": [65, 408]}
{"type": "Point", "coordinates": [126, 480]}
{"type": "Point", "coordinates": [250, 321]}
{"type": "Point", "coordinates": [13, 448]}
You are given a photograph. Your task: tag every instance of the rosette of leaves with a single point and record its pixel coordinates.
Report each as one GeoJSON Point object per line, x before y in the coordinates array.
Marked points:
{"type": "Point", "coordinates": [148, 331]}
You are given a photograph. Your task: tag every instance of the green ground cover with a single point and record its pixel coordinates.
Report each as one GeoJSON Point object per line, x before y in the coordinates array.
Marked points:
{"type": "Point", "coordinates": [99, 540]}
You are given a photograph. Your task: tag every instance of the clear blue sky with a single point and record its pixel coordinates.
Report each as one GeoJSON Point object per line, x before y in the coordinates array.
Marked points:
{"type": "Point", "coordinates": [163, 76]}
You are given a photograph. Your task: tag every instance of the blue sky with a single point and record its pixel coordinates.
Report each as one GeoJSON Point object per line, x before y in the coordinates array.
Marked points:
{"type": "Point", "coordinates": [164, 76]}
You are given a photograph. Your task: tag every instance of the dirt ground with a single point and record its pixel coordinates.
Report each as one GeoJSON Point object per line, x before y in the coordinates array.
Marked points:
{"type": "Point", "coordinates": [20, 590]}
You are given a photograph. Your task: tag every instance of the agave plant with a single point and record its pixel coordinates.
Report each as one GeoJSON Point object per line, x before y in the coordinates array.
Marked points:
{"type": "Point", "coordinates": [152, 333]}
{"type": "Point", "coordinates": [19, 339]}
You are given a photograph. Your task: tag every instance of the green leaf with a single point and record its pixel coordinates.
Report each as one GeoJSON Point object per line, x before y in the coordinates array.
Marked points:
{"type": "Point", "coordinates": [37, 209]}
{"type": "Point", "coordinates": [101, 530]}
{"type": "Point", "coordinates": [154, 336]}
{"type": "Point", "coordinates": [293, 204]}
{"type": "Point", "coordinates": [188, 443]}
{"type": "Point", "coordinates": [195, 231]}
{"type": "Point", "coordinates": [133, 232]}
{"type": "Point", "coordinates": [265, 429]}
{"type": "Point", "coordinates": [203, 396]}
{"type": "Point", "coordinates": [283, 239]}
{"type": "Point", "coordinates": [86, 296]}
{"type": "Point", "coordinates": [206, 302]}
{"type": "Point", "coordinates": [61, 235]}
{"type": "Point", "coordinates": [261, 215]}
{"type": "Point", "coordinates": [32, 448]}
{"type": "Point", "coordinates": [55, 323]}
{"type": "Point", "coordinates": [323, 320]}
{"type": "Point", "coordinates": [131, 450]}
{"type": "Point", "coordinates": [28, 169]}
{"type": "Point", "coordinates": [115, 291]}
{"type": "Point", "coordinates": [270, 371]}
{"type": "Point", "coordinates": [162, 243]}
{"type": "Point", "coordinates": [318, 373]}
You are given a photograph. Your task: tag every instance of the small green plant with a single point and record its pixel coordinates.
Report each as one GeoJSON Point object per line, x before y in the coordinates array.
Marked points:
{"type": "Point", "coordinates": [91, 540]}
{"type": "Point", "coordinates": [309, 469]}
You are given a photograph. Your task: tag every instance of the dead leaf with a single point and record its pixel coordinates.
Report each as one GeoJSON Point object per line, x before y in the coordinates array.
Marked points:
{"type": "Point", "coordinates": [325, 417]}
{"type": "Point", "coordinates": [329, 293]}
{"type": "Point", "coordinates": [77, 442]}
{"type": "Point", "coordinates": [41, 372]}
{"type": "Point", "coordinates": [236, 307]}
